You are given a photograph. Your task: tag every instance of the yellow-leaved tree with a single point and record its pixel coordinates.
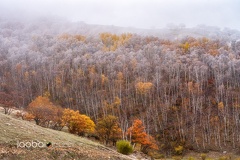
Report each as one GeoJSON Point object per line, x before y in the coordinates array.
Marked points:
{"type": "Point", "coordinates": [108, 129]}
{"type": "Point", "coordinates": [77, 123]}
{"type": "Point", "coordinates": [143, 87]}
{"type": "Point", "coordinates": [112, 41]}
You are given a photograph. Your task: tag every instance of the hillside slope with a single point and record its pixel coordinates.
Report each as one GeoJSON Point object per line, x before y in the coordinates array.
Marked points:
{"type": "Point", "coordinates": [15, 133]}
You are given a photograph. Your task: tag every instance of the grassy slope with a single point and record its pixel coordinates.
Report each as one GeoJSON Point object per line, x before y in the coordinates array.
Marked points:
{"type": "Point", "coordinates": [13, 130]}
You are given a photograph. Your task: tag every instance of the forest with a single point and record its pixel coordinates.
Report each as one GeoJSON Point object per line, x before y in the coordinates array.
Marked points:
{"type": "Point", "coordinates": [182, 84]}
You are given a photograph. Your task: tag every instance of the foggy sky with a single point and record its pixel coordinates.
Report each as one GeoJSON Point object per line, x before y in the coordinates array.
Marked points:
{"type": "Point", "coordinates": [132, 13]}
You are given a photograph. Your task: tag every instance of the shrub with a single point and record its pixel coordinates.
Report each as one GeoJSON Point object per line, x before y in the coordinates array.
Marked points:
{"type": "Point", "coordinates": [190, 158]}
{"type": "Point", "coordinates": [223, 158]}
{"type": "Point", "coordinates": [176, 157]}
{"type": "Point", "coordinates": [178, 150]}
{"type": "Point", "coordinates": [124, 147]}
{"type": "Point", "coordinates": [155, 155]}
{"type": "Point", "coordinates": [203, 156]}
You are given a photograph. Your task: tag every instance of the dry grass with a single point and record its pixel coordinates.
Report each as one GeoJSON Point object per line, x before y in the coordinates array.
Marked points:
{"type": "Point", "coordinates": [209, 156]}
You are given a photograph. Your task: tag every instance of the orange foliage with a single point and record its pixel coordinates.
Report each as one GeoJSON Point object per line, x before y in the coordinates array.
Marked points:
{"type": "Point", "coordinates": [143, 87]}
{"type": "Point", "coordinates": [58, 81]}
{"type": "Point", "coordinates": [185, 47]}
{"type": "Point", "coordinates": [79, 37]}
{"type": "Point", "coordinates": [28, 116]}
{"type": "Point", "coordinates": [138, 135]}
{"type": "Point", "coordinates": [220, 106]}
{"type": "Point", "coordinates": [76, 37]}
{"type": "Point", "coordinates": [150, 39]}
{"type": "Point", "coordinates": [112, 41]}
{"type": "Point", "coordinates": [43, 111]}
{"type": "Point", "coordinates": [77, 123]}
{"type": "Point", "coordinates": [24, 116]}
{"type": "Point", "coordinates": [119, 79]}
{"type": "Point", "coordinates": [120, 76]}
{"type": "Point", "coordinates": [104, 79]}
{"type": "Point", "coordinates": [213, 52]}
{"type": "Point", "coordinates": [110, 107]}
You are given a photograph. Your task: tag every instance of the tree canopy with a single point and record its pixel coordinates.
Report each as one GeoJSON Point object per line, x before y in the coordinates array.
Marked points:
{"type": "Point", "coordinates": [183, 83]}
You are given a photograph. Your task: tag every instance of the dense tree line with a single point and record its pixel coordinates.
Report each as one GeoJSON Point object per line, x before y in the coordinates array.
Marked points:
{"type": "Point", "coordinates": [186, 91]}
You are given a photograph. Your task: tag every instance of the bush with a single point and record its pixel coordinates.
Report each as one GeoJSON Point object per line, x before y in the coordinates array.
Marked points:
{"type": "Point", "coordinates": [178, 150]}
{"type": "Point", "coordinates": [124, 147]}
{"type": "Point", "coordinates": [155, 155]}
{"type": "Point", "coordinates": [176, 157]}
{"type": "Point", "coordinates": [223, 158]}
{"type": "Point", "coordinates": [203, 156]}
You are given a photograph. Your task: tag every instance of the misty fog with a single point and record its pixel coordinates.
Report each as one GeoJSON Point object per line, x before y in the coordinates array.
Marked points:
{"type": "Point", "coordinates": [130, 13]}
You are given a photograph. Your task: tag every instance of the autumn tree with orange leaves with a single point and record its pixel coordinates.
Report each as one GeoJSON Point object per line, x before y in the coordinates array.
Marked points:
{"type": "Point", "coordinates": [44, 112]}
{"type": "Point", "coordinates": [77, 123]}
{"type": "Point", "coordinates": [137, 134]}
